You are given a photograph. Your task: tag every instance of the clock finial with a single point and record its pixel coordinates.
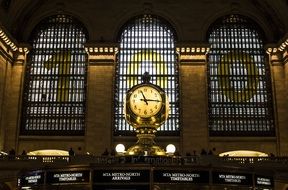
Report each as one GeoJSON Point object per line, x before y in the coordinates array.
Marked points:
{"type": "Point", "coordinates": [146, 77]}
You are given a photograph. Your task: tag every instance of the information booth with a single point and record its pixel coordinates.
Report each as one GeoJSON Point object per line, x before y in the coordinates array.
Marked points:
{"type": "Point", "coordinates": [144, 174]}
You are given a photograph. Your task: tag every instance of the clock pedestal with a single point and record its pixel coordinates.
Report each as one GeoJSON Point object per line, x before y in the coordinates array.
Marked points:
{"type": "Point", "coordinates": [146, 146]}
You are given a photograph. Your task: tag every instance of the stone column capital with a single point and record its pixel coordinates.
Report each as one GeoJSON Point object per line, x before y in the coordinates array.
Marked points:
{"type": "Point", "coordinates": [278, 53]}
{"type": "Point", "coordinates": [101, 53]}
{"type": "Point", "coordinates": [192, 54]}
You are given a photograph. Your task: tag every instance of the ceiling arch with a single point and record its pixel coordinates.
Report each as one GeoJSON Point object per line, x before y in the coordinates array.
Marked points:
{"type": "Point", "coordinates": [103, 19]}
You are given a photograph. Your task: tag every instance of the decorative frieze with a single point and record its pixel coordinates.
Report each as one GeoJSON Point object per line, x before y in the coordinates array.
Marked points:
{"type": "Point", "coordinates": [20, 56]}
{"type": "Point", "coordinates": [15, 54]}
{"type": "Point", "coordinates": [278, 52]}
{"type": "Point", "coordinates": [192, 54]}
{"type": "Point", "coordinates": [101, 53]}
{"type": "Point", "coordinates": [8, 41]}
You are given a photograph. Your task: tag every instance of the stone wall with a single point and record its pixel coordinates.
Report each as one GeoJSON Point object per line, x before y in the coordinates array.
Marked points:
{"type": "Point", "coordinates": [6, 59]}
{"type": "Point", "coordinates": [99, 108]}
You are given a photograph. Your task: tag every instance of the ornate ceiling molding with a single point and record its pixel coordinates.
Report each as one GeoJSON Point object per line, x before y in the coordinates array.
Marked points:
{"type": "Point", "coordinates": [192, 53]}
{"type": "Point", "coordinates": [101, 53]}
{"type": "Point", "coordinates": [278, 52]}
{"type": "Point", "coordinates": [11, 50]}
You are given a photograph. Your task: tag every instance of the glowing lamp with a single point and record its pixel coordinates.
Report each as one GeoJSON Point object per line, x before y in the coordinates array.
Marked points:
{"type": "Point", "coordinates": [170, 149]}
{"type": "Point", "coordinates": [120, 148]}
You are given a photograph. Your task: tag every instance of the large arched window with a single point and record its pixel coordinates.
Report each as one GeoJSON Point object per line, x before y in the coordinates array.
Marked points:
{"type": "Point", "coordinates": [147, 43]}
{"type": "Point", "coordinates": [240, 96]}
{"type": "Point", "coordinates": [55, 79]}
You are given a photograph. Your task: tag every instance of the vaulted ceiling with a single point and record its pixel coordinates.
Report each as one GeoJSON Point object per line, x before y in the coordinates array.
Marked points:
{"type": "Point", "coordinates": [104, 18]}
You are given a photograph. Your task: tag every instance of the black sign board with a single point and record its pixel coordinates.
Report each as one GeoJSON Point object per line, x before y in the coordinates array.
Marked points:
{"type": "Point", "coordinates": [232, 178]}
{"type": "Point", "coordinates": [121, 187]}
{"type": "Point", "coordinates": [263, 181]}
{"type": "Point", "coordinates": [67, 176]}
{"type": "Point", "coordinates": [121, 176]}
{"type": "Point", "coordinates": [31, 178]}
{"type": "Point", "coordinates": [171, 176]}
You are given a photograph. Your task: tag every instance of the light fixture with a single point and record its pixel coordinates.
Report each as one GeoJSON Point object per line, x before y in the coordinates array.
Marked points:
{"type": "Point", "coordinates": [244, 153]}
{"type": "Point", "coordinates": [48, 152]}
{"type": "Point", "coordinates": [120, 148]}
{"type": "Point", "coordinates": [170, 149]}
{"type": "Point", "coordinates": [3, 153]}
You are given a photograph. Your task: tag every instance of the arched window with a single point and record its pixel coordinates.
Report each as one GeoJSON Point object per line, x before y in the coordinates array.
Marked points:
{"type": "Point", "coordinates": [240, 95]}
{"type": "Point", "coordinates": [55, 79]}
{"type": "Point", "coordinates": [147, 43]}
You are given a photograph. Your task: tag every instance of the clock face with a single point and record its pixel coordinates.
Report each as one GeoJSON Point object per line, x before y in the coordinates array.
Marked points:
{"type": "Point", "coordinates": [145, 101]}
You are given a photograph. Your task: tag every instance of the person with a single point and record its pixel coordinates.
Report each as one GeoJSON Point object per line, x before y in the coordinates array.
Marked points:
{"type": "Point", "coordinates": [112, 153]}
{"type": "Point", "coordinates": [194, 153]}
{"type": "Point", "coordinates": [203, 152]}
{"type": "Point", "coordinates": [210, 152]}
{"type": "Point", "coordinates": [71, 152]}
{"type": "Point", "coordinates": [105, 153]}
{"type": "Point", "coordinates": [80, 150]}
{"type": "Point", "coordinates": [12, 154]}
{"type": "Point", "coordinates": [24, 155]}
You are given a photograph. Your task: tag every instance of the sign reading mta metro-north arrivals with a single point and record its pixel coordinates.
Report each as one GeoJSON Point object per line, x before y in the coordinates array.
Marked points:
{"type": "Point", "coordinates": [121, 176]}
{"type": "Point", "coordinates": [68, 177]}
{"type": "Point", "coordinates": [232, 178]}
{"type": "Point", "coordinates": [181, 176]}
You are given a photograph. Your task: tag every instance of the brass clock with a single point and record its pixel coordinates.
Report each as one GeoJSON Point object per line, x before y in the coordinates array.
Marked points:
{"type": "Point", "coordinates": [145, 101]}
{"type": "Point", "coordinates": [146, 104]}
{"type": "Point", "coordinates": [146, 108]}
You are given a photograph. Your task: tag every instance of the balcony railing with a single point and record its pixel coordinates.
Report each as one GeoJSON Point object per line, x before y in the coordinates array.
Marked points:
{"type": "Point", "coordinates": [175, 160]}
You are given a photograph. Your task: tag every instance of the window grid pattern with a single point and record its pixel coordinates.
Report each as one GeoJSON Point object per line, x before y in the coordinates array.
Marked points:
{"type": "Point", "coordinates": [55, 80]}
{"type": "Point", "coordinates": [147, 44]}
{"type": "Point", "coordinates": [240, 93]}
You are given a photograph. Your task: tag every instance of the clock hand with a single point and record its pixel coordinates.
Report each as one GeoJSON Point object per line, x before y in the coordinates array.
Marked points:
{"type": "Point", "coordinates": [151, 100]}
{"type": "Point", "coordinates": [145, 100]}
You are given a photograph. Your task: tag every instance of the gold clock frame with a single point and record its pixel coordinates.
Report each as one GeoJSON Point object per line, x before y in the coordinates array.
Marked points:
{"type": "Point", "coordinates": [156, 120]}
{"type": "Point", "coordinates": [146, 127]}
